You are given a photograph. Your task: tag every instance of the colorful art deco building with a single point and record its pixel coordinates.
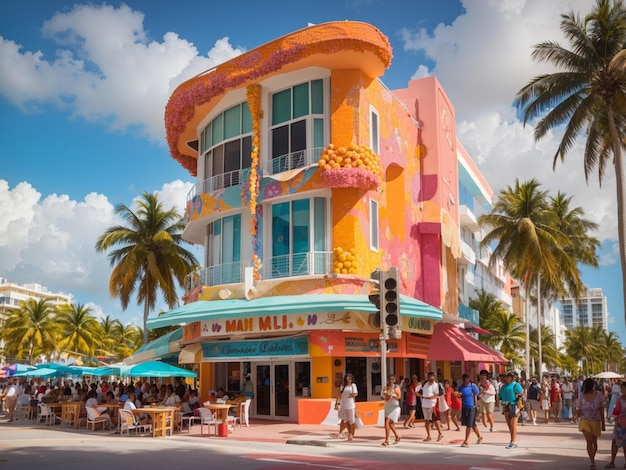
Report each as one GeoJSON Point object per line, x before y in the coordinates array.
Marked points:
{"type": "Point", "coordinates": [311, 174]}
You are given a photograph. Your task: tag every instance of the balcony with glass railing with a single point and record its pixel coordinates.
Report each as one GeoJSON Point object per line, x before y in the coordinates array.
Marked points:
{"type": "Point", "coordinates": [293, 160]}
{"type": "Point", "coordinates": [297, 264]}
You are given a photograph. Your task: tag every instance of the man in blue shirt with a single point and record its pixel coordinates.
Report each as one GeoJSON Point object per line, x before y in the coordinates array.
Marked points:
{"type": "Point", "coordinates": [468, 391]}
{"type": "Point", "coordinates": [532, 398]}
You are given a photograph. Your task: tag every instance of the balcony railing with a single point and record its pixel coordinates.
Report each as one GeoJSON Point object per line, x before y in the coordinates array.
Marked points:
{"type": "Point", "coordinates": [291, 161]}
{"type": "Point", "coordinates": [297, 264]}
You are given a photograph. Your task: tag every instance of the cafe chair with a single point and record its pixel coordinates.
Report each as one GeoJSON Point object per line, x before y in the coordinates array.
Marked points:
{"type": "Point", "coordinates": [129, 422]}
{"type": "Point", "coordinates": [46, 415]}
{"type": "Point", "coordinates": [93, 418]}
{"type": "Point", "coordinates": [207, 419]}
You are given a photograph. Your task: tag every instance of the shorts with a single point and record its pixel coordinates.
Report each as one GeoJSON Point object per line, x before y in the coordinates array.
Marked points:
{"type": "Point", "coordinates": [533, 405]}
{"type": "Point", "coordinates": [593, 427]}
{"type": "Point", "coordinates": [468, 417]}
{"type": "Point", "coordinates": [348, 416]}
{"type": "Point", "coordinates": [411, 407]}
{"type": "Point", "coordinates": [429, 414]}
{"type": "Point", "coordinates": [486, 407]}
{"type": "Point", "coordinates": [512, 410]}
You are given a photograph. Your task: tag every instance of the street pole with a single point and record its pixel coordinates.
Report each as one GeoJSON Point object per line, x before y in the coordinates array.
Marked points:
{"type": "Point", "coordinates": [527, 322]}
{"type": "Point", "coordinates": [383, 349]}
{"type": "Point", "coordinates": [539, 324]}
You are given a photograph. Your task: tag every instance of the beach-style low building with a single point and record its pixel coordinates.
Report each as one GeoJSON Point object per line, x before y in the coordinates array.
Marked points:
{"type": "Point", "coordinates": [311, 174]}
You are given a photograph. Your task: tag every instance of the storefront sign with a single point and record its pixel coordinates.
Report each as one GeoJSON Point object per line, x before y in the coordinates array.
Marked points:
{"type": "Point", "coordinates": [423, 326]}
{"type": "Point", "coordinates": [339, 343]}
{"type": "Point", "coordinates": [264, 348]}
{"type": "Point", "coordinates": [358, 321]}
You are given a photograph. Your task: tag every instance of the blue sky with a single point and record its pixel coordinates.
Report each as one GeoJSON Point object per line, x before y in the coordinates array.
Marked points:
{"type": "Point", "coordinates": [83, 89]}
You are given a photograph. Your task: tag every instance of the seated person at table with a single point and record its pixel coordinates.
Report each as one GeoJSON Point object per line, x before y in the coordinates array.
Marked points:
{"type": "Point", "coordinates": [221, 395]}
{"type": "Point", "coordinates": [171, 399]}
{"type": "Point", "coordinates": [92, 400]}
{"type": "Point", "coordinates": [193, 400]}
{"type": "Point", "coordinates": [123, 394]}
{"type": "Point", "coordinates": [130, 405]}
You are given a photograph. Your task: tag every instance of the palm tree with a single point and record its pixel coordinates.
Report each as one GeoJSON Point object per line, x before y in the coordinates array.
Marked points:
{"type": "Point", "coordinates": [110, 328]}
{"type": "Point", "coordinates": [81, 330]}
{"type": "Point", "coordinates": [488, 306]}
{"type": "Point", "coordinates": [611, 351]}
{"type": "Point", "coordinates": [129, 340]}
{"type": "Point", "coordinates": [149, 257]}
{"type": "Point", "coordinates": [31, 330]}
{"type": "Point", "coordinates": [588, 90]}
{"type": "Point", "coordinates": [580, 345]}
{"type": "Point", "coordinates": [549, 353]}
{"type": "Point", "coordinates": [529, 243]}
{"type": "Point", "coordinates": [507, 334]}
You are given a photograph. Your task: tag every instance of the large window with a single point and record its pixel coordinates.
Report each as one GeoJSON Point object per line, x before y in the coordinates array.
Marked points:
{"type": "Point", "coordinates": [227, 147]}
{"type": "Point", "coordinates": [299, 238]}
{"type": "Point", "coordinates": [297, 127]}
{"type": "Point", "coordinates": [224, 250]}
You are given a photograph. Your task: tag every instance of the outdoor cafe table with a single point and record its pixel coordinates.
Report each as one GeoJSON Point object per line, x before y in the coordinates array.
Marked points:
{"type": "Point", "coordinates": [162, 419]}
{"type": "Point", "coordinates": [70, 412]}
{"type": "Point", "coordinates": [222, 411]}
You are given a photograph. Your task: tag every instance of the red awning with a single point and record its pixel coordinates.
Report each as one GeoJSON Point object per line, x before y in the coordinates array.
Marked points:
{"type": "Point", "coordinates": [449, 343]}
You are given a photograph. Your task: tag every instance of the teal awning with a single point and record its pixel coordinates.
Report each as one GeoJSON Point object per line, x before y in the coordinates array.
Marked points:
{"type": "Point", "coordinates": [162, 347]}
{"type": "Point", "coordinates": [306, 303]}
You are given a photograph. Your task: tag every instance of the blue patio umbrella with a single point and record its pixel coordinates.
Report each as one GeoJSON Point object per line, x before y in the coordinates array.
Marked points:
{"type": "Point", "coordinates": [42, 372]}
{"type": "Point", "coordinates": [61, 369]}
{"type": "Point", "coordinates": [157, 369]}
{"type": "Point", "coordinates": [16, 368]}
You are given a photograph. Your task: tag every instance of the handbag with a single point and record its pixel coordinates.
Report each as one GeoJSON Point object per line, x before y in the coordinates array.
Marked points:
{"type": "Point", "coordinates": [358, 420]}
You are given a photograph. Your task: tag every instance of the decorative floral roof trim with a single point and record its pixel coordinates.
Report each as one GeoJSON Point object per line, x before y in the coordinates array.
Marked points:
{"type": "Point", "coordinates": [327, 38]}
{"type": "Point", "coordinates": [350, 178]}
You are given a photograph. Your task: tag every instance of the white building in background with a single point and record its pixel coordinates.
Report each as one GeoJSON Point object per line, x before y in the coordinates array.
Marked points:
{"type": "Point", "coordinates": [475, 273]}
{"type": "Point", "coordinates": [590, 310]}
{"type": "Point", "coordinates": [11, 294]}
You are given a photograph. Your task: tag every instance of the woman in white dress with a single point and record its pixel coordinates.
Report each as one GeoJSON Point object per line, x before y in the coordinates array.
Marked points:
{"type": "Point", "coordinates": [391, 394]}
{"type": "Point", "coordinates": [347, 407]}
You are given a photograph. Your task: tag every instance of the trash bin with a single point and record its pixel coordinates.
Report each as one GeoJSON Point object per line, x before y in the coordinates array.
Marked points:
{"type": "Point", "coordinates": [222, 429]}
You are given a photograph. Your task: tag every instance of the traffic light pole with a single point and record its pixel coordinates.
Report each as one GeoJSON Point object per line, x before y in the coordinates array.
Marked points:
{"type": "Point", "coordinates": [383, 352]}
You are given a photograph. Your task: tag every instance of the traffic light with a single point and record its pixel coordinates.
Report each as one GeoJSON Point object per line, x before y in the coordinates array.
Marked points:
{"type": "Point", "coordinates": [390, 303]}
{"type": "Point", "coordinates": [374, 296]}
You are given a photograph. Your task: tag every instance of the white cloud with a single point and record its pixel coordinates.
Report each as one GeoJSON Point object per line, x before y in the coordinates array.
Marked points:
{"type": "Point", "coordinates": [482, 59]}
{"type": "Point", "coordinates": [51, 241]}
{"type": "Point", "coordinates": [106, 70]}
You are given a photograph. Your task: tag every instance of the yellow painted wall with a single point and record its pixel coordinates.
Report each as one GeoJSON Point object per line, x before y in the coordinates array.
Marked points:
{"type": "Point", "coordinates": [206, 380]}
{"type": "Point", "coordinates": [321, 367]}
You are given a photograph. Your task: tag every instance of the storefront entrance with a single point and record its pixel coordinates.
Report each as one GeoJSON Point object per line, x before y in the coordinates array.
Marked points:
{"type": "Point", "coordinates": [272, 389]}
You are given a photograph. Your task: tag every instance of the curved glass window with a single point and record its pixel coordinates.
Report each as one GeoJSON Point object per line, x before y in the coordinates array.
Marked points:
{"type": "Point", "coordinates": [227, 147]}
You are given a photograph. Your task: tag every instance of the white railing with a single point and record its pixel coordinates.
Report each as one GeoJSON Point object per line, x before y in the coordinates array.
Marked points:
{"type": "Point", "coordinates": [291, 161]}
{"type": "Point", "coordinates": [297, 264]}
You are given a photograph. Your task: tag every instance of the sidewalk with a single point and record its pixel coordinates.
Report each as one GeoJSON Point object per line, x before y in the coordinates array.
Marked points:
{"type": "Point", "coordinates": [552, 436]}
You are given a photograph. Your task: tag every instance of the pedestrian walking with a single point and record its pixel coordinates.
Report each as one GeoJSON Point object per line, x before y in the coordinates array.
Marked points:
{"type": "Point", "coordinates": [567, 391]}
{"type": "Point", "coordinates": [346, 405]}
{"type": "Point", "coordinates": [411, 401]}
{"type": "Point", "coordinates": [468, 393]}
{"type": "Point", "coordinates": [487, 400]}
{"type": "Point", "coordinates": [429, 395]}
{"type": "Point", "coordinates": [10, 397]}
{"type": "Point", "coordinates": [590, 410]}
{"type": "Point", "coordinates": [556, 399]}
{"type": "Point", "coordinates": [545, 399]}
{"type": "Point", "coordinates": [455, 404]}
{"type": "Point", "coordinates": [392, 395]}
{"type": "Point", "coordinates": [619, 430]}
{"type": "Point", "coordinates": [510, 393]}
